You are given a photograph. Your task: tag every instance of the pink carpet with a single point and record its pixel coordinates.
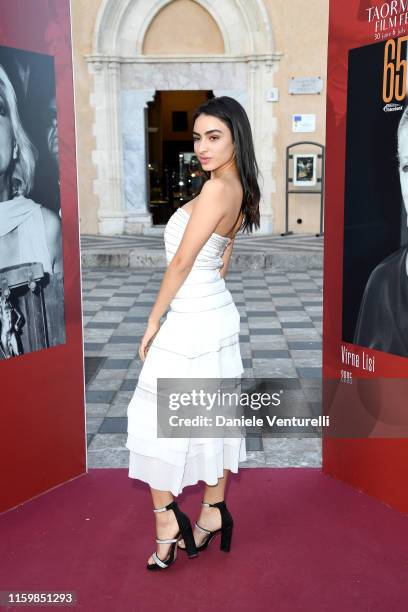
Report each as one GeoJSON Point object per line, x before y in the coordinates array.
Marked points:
{"type": "Point", "coordinates": [302, 541]}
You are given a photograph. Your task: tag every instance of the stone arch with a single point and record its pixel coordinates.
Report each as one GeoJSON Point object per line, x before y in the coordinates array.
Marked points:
{"type": "Point", "coordinates": [122, 24]}
{"type": "Point", "coordinates": [183, 27]}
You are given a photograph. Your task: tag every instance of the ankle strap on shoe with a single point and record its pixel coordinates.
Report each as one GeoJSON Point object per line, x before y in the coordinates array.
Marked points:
{"type": "Point", "coordinates": [220, 504]}
{"type": "Point", "coordinates": [168, 541]}
{"type": "Point", "coordinates": [171, 506]}
{"type": "Point", "coordinates": [202, 528]}
{"type": "Point", "coordinates": [226, 518]}
{"type": "Point", "coordinates": [160, 509]}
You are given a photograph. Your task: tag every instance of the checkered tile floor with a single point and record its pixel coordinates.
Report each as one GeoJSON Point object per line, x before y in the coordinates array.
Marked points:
{"type": "Point", "coordinates": [281, 326]}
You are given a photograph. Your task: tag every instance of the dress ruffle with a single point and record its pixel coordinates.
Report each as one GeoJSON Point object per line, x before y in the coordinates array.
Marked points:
{"type": "Point", "coordinates": [201, 462]}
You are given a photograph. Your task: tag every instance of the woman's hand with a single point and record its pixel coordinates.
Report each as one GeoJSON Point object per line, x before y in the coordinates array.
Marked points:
{"type": "Point", "coordinates": [148, 337]}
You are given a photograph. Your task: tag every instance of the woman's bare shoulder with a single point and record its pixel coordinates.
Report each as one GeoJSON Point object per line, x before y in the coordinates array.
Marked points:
{"type": "Point", "coordinates": [220, 185]}
{"type": "Point", "coordinates": [51, 219]}
{"type": "Point", "coordinates": [225, 190]}
{"type": "Point", "coordinates": [214, 186]}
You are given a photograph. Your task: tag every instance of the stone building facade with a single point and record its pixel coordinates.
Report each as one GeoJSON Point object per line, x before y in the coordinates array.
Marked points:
{"type": "Point", "coordinates": [126, 50]}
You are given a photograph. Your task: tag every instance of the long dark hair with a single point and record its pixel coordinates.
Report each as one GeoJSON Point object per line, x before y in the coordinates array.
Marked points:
{"type": "Point", "coordinates": [234, 116]}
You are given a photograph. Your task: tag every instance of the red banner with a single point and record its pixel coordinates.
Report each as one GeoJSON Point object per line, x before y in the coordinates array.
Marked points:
{"type": "Point", "coordinates": [365, 348]}
{"type": "Point", "coordinates": [43, 437]}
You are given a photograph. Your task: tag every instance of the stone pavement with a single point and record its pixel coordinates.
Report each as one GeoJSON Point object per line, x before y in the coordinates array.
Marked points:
{"type": "Point", "coordinates": [281, 326]}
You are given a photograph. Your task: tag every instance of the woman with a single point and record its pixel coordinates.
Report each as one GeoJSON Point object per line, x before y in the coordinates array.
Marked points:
{"type": "Point", "coordinates": [28, 231]}
{"type": "Point", "coordinates": [200, 336]}
{"type": "Point", "coordinates": [383, 318]}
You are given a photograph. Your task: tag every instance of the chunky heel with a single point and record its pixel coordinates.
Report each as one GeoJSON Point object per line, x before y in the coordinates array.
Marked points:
{"type": "Point", "coordinates": [225, 531]}
{"type": "Point", "coordinates": [185, 531]}
{"type": "Point", "coordinates": [188, 538]}
{"type": "Point", "coordinates": [226, 535]}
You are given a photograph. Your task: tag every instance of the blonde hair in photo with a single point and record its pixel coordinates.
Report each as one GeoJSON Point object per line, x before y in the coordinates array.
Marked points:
{"type": "Point", "coordinates": [22, 175]}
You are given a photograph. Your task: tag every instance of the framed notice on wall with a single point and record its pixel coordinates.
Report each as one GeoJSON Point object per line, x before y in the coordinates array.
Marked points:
{"type": "Point", "coordinates": [303, 123]}
{"type": "Point", "coordinates": [304, 170]}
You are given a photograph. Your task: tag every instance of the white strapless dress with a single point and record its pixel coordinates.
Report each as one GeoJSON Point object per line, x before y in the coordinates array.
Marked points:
{"type": "Point", "coordinates": [198, 339]}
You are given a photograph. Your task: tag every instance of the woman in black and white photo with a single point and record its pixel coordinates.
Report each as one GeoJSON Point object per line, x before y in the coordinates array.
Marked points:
{"type": "Point", "coordinates": [383, 318]}
{"type": "Point", "coordinates": [28, 231]}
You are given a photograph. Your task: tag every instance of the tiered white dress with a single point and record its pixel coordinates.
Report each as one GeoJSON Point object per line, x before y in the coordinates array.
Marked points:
{"type": "Point", "coordinates": [198, 339]}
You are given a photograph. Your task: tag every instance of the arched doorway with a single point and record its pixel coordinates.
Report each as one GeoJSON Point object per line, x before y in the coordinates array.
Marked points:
{"type": "Point", "coordinates": [174, 172]}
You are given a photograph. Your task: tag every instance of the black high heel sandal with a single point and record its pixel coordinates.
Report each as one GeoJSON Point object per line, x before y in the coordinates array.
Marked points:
{"type": "Point", "coordinates": [185, 532]}
{"type": "Point", "coordinates": [226, 528]}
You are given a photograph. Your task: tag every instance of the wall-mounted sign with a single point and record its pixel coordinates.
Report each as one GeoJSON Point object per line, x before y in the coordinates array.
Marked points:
{"type": "Point", "coordinates": [272, 95]}
{"type": "Point", "coordinates": [303, 123]}
{"type": "Point", "coordinates": [304, 169]}
{"type": "Point", "coordinates": [306, 85]}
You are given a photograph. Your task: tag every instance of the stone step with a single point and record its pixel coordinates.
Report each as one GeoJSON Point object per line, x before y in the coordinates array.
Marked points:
{"type": "Point", "coordinates": [285, 261]}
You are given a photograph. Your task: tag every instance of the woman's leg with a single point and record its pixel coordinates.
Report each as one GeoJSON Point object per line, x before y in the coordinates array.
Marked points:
{"type": "Point", "coordinates": [210, 518]}
{"type": "Point", "coordinates": [215, 493]}
{"type": "Point", "coordinates": [166, 522]}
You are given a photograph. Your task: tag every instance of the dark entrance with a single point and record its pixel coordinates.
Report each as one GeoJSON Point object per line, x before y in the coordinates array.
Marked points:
{"type": "Point", "coordinates": [174, 172]}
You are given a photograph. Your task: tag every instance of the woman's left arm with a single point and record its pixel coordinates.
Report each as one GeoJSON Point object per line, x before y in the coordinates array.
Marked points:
{"type": "Point", "coordinates": [173, 278]}
{"type": "Point", "coordinates": [208, 211]}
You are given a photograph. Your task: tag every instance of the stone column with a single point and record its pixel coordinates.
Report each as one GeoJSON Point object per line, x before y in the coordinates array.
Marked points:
{"type": "Point", "coordinates": [259, 114]}
{"type": "Point", "coordinates": [108, 154]}
{"type": "Point", "coordinates": [135, 148]}
{"type": "Point", "coordinates": [263, 128]}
